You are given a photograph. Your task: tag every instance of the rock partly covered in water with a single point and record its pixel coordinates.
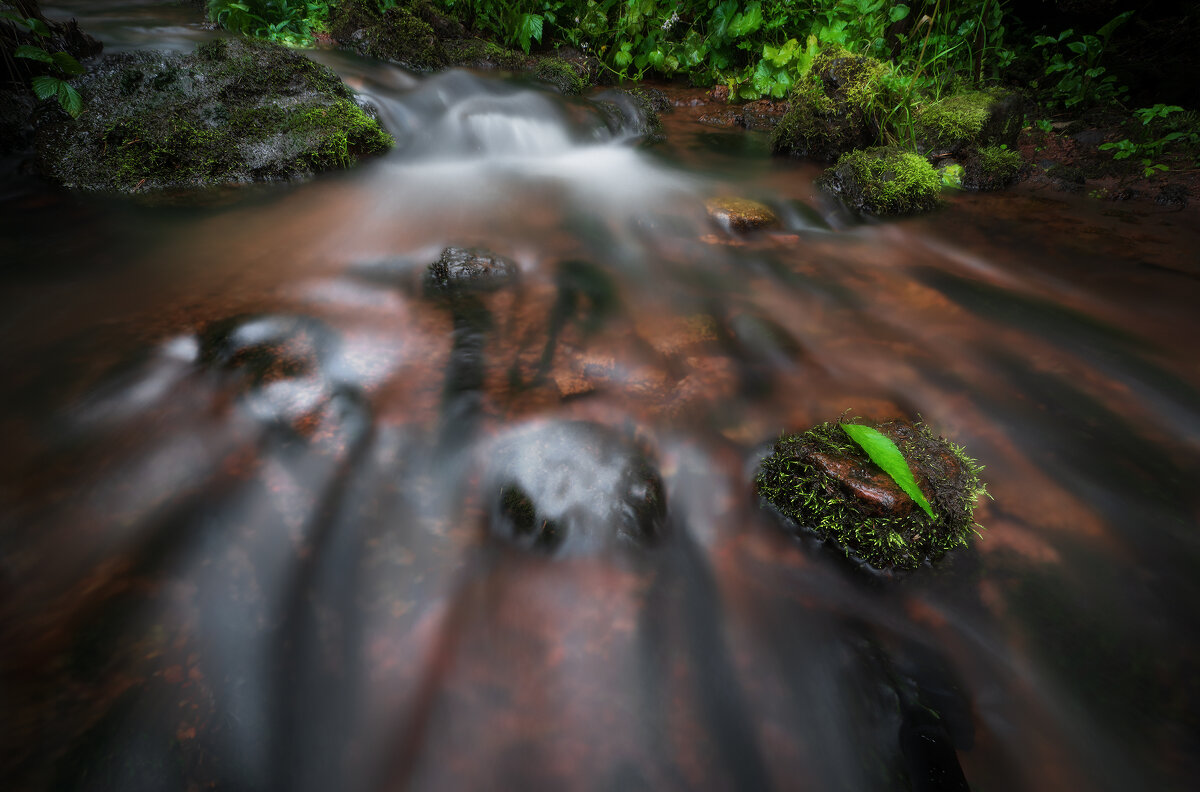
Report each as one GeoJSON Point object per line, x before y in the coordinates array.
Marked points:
{"type": "Point", "coordinates": [460, 270]}
{"type": "Point", "coordinates": [885, 182]}
{"type": "Point", "coordinates": [827, 484]}
{"type": "Point", "coordinates": [232, 111]}
{"type": "Point", "coordinates": [573, 488]}
{"type": "Point", "coordinates": [741, 214]}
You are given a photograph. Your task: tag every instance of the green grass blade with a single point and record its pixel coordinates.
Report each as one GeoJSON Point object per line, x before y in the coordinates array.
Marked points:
{"type": "Point", "coordinates": [883, 452]}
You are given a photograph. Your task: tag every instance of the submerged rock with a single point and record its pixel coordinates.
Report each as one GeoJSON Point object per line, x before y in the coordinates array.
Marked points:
{"type": "Point", "coordinates": [233, 111]}
{"type": "Point", "coordinates": [460, 270]}
{"type": "Point", "coordinates": [827, 484]}
{"type": "Point", "coordinates": [885, 182]}
{"type": "Point", "coordinates": [573, 488]}
{"type": "Point", "coordinates": [741, 214]}
{"type": "Point", "coordinates": [829, 108]}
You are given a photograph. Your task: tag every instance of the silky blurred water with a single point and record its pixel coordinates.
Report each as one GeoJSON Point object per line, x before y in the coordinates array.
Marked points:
{"type": "Point", "coordinates": [254, 471]}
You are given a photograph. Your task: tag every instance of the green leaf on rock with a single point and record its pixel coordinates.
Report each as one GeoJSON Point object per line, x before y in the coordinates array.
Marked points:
{"type": "Point", "coordinates": [883, 452]}
{"type": "Point", "coordinates": [45, 86]}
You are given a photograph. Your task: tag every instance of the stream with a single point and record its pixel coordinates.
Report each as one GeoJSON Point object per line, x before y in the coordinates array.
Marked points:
{"type": "Point", "coordinates": [255, 524]}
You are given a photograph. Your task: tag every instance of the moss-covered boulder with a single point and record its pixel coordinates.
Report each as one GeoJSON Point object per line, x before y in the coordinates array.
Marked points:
{"type": "Point", "coordinates": [233, 111]}
{"type": "Point", "coordinates": [831, 106]}
{"type": "Point", "coordinates": [971, 119]}
{"type": "Point", "coordinates": [824, 481]}
{"type": "Point", "coordinates": [884, 181]}
{"type": "Point", "coordinates": [410, 33]}
{"type": "Point", "coordinates": [992, 168]}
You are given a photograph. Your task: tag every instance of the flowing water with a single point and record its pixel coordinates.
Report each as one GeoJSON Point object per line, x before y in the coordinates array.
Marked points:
{"type": "Point", "coordinates": [256, 531]}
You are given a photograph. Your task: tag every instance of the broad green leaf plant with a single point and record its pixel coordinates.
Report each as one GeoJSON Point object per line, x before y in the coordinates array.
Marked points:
{"type": "Point", "coordinates": [64, 66]}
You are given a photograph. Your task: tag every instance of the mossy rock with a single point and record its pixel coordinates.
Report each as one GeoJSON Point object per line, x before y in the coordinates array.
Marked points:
{"type": "Point", "coordinates": [885, 181]}
{"type": "Point", "coordinates": [631, 113]}
{"type": "Point", "coordinates": [826, 484]}
{"type": "Point", "coordinates": [233, 111]}
{"type": "Point", "coordinates": [971, 119]}
{"type": "Point", "coordinates": [569, 78]}
{"type": "Point", "coordinates": [409, 34]}
{"type": "Point", "coordinates": [479, 54]}
{"type": "Point", "coordinates": [992, 168]}
{"type": "Point", "coordinates": [830, 111]}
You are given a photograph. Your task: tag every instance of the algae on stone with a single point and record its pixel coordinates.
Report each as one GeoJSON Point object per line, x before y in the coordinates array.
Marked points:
{"type": "Point", "coordinates": [884, 181]}
{"type": "Point", "coordinates": [831, 106]}
{"type": "Point", "coordinates": [233, 111]}
{"type": "Point", "coordinates": [826, 483]}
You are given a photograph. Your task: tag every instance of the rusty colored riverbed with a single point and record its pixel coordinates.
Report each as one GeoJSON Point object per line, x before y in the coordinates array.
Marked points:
{"type": "Point", "coordinates": [253, 472]}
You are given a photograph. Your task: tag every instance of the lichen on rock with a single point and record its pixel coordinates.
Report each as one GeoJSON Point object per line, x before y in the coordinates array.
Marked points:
{"type": "Point", "coordinates": [884, 181]}
{"type": "Point", "coordinates": [824, 482]}
{"type": "Point", "coordinates": [233, 111]}
{"type": "Point", "coordinates": [830, 108]}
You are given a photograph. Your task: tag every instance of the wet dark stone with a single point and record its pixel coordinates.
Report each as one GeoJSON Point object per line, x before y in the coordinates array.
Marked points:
{"type": "Point", "coordinates": [460, 270]}
{"type": "Point", "coordinates": [572, 488]}
{"type": "Point", "coordinates": [631, 113]}
{"type": "Point", "coordinates": [1172, 195]}
{"type": "Point", "coordinates": [266, 348]}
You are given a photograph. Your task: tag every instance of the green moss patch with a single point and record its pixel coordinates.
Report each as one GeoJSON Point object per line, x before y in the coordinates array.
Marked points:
{"type": "Point", "coordinates": [233, 111]}
{"type": "Point", "coordinates": [830, 108]}
{"type": "Point", "coordinates": [824, 482]}
{"type": "Point", "coordinates": [970, 118]}
{"type": "Point", "coordinates": [992, 168]}
{"type": "Point", "coordinates": [884, 181]}
{"type": "Point", "coordinates": [403, 34]}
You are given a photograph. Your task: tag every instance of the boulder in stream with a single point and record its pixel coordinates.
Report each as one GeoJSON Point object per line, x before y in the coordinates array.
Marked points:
{"type": "Point", "coordinates": [827, 484]}
{"type": "Point", "coordinates": [885, 181]}
{"type": "Point", "coordinates": [233, 111]}
{"type": "Point", "coordinates": [573, 488]}
{"type": "Point", "coordinates": [741, 214]}
{"type": "Point", "coordinates": [460, 270]}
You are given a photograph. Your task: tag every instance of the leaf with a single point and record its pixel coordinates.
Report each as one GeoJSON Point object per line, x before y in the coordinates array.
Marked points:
{"type": "Point", "coordinates": [1113, 24]}
{"type": "Point", "coordinates": [45, 86]}
{"type": "Point", "coordinates": [33, 53]}
{"type": "Point", "coordinates": [70, 100]}
{"type": "Point", "coordinates": [897, 12]}
{"type": "Point", "coordinates": [883, 452]}
{"type": "Point", "coordinates": [67, 64]}
{"type": "Point", "coordinates": [37, 26]}
{"type": "Point", "coordinates": [747, 22]}
{"type": "Point", "coordinates": [530, 27]}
